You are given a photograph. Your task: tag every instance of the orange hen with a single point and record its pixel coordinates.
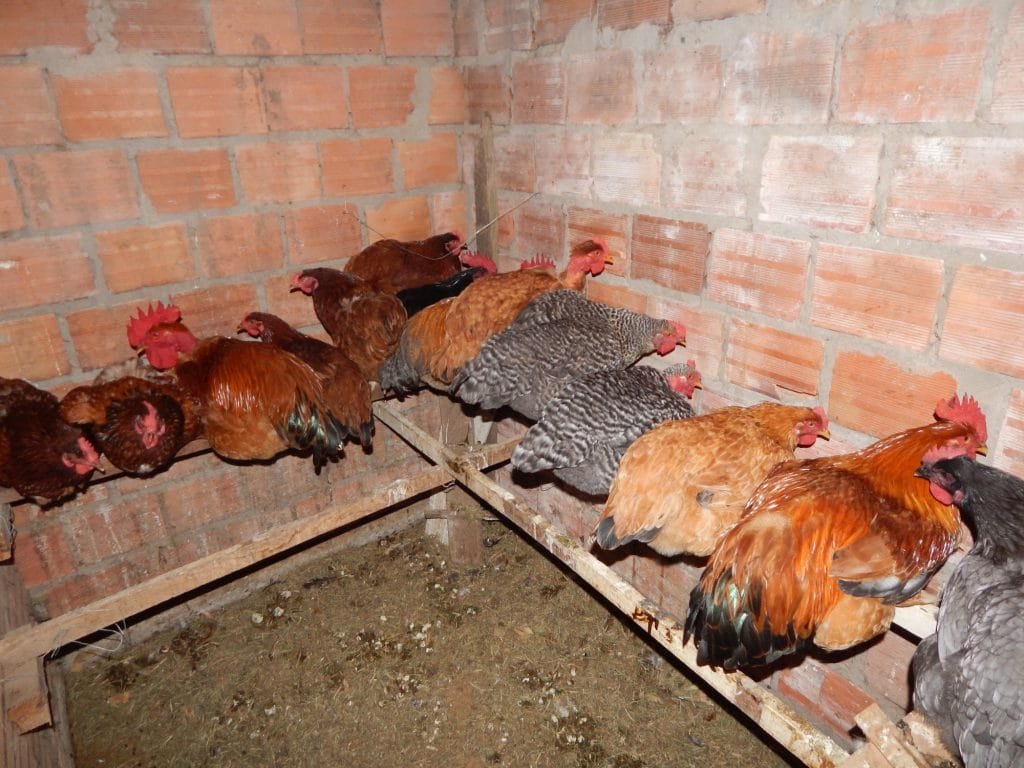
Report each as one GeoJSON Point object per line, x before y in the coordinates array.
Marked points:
{"type": "Point", "coordinates": [827, 547]}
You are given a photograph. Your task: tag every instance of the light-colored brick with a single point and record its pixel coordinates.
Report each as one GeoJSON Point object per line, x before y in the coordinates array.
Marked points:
{"type": "Point", "coordinates": [671, 253]}
{"type": "Point", "coordinates": [1010, 452]}
{"type": "Point", "coordinates": [98, 335]}
{"type": "Point", "coordinates": [331, 27]}
{"type": "Point", "coordinates": [705, 333]}
{"type": "Point", "coordinates": [957, 190]}
{"type": "Point", "coordinates": [11, 215]}
{"type": "Point", "coordinates": [776, 79]}
{"type": "Point", "coordinates": [1008, 90]}
{"type": "Point", "coordinates": [876, 396]}
{"type": "Point", "coordinates": [278, 172]}
{"type": "Point", "coordinates": [539, 94]}
{"type": "Point", "coordinates": [26, 115]}
{"type": "Point", "coordinates": [43, 555]}
{"type": "Point", "coordinates": [509, 25]}
{"type": "Point", "coordinates": [216, 101]}
{"type": "Point", "coordinates": [43, 271]}
{"type": "Point", "coordinates": [217, 309]}
{"type": "Point", "coordinates": [587, 223]}
{"type": "Point", "coordinates": [432, 161]}
{"type": "Point", "coordinates": [304, 98]}
{"type": "Point", "coordinates": [705, 10]}
{"type": "Point", "coordinates": [357, 166]}
{"type": "Point", "coordinates": [985, 319]}
{"type": "Point", "coordinates": [563, 160]}
{"type": "Point", "coordinates": [706, 174]}
{"type": "Point", "coordinates": [177, 180]}
{"type": "Point", "coordinates": [625, 14]}
{"type": "Point", "coordinates": [487, 92]}
{"type": "Point", "coordinates": [616, 295]}
{"type": "Point", "coordinates": [407, 218]}
{"type": "Point", "coordinates": [540, 228]}
{"type": "Point", "coordinates": [113, 105]}
{"type": "Point", "coordinates": [65, 189]}
{"type": "Point", "coordinates": [417, 27]}
{"type": "Point", "coordinates": [448, 212]}
{"type": "Point", "coordinates": [627, 168]}
{"type": "Point", "coordinates": [139, 257]}
{"type": "Point", "coordinates": [294, 307]}
{"type": "Point", "coordinates": [322, 233]}
{"type": "Point", "coordinates": [772, 361]}
{"type": "Point", "coordinates": [266, 28]}
{"type": "Point", "coordinates": [515, 161]}
{"type": "Point", "coordinates": [601, 88]}
{"type": "Point", "coordinates": [681, 85]}
{"type": "Point", "coordinates": [239, 245]}
{"type": "Point", "coordinates": [381, 96]}
{"type": "Point", "coordinates": [889, 297]}
{"type": "Point", "coordinates": [447, 96]}
{"type": "Point", "coordinates": [28, 24]}
{"type": "Point", "coordinates": [918, 69]}
{"type": "Point", "coordinates": [820, 181]}
{"type": "Point", "coordinates": [757, 272]}
{"type": "Point", "coordinates": [555, 18]}
{"type": "Point", "coordinates": [160, 26]}
{"type": "Point", "coordinates": [466, 34]}
{"type": "Point", "coordinates": [31, 348]}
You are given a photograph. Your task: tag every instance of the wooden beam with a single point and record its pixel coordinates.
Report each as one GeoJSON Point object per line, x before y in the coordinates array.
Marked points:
{"type": "Point", "coordinates": [25, 696]}
{"type": "Point", "coordinates": [889, 740]}
{"type": "Point", "coordinates": [767, 710]}
{"type": "Point", "coordinates": [28, 642]}
{"type": "Point", "coordinates": [6, 532]}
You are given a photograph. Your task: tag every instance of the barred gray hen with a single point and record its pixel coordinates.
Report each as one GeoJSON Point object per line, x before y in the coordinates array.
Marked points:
{"type": "Point", "coordinates": [968, 677]}
{"type": "Point", "coordinates": [586, 428]}
{"type": "Point", "coordinates": [557, 338]}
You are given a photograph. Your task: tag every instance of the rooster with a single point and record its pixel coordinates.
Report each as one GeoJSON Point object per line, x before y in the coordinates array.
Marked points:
{"type": "Point", "coordinates": [390, 266]}
{"type": "Point", "coordinates": [968, 677]}
{"type": "Point", "coordinates": [559, 337]}
{"type": "Point", "coordinates": [827, 547]}
{"type": "Point", "coordinates": [346, 391]}
{"type": "Point", "coordinates": [364, 323]}
{"type": "Point", "coordinates": [681, 485]}
{"type": "Point", "coordinates": [587, 427]}
{"type": "Point", "coordinates": [438, 341]}
{"type": "Point", "coordinates": [42, 457]}
{"type": "Point", "coordinates": [139, 424]}
{"type": "Point", "coordinates": [257, 400]}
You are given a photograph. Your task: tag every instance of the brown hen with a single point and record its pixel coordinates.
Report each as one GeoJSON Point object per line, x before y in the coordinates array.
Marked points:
{"type": "Point", "coordinates": [391, 266]}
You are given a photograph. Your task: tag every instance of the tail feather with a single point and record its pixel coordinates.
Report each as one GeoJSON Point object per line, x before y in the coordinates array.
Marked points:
{"type": "Point", "coordinates": [608, 539]}
{"type": "Point", "coordinates": [398, 374]}
{"type": "Point", "coordinates": [311, 427]}
{"type": "Point", "coordinates": [366, 430]}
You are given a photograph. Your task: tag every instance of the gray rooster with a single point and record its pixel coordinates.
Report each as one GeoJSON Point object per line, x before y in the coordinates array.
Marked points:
{"type": "Point", "coordinates": [968, 676]}
{"type": "Point", "coordinates": [587, 427]}
{"type": "Point", "coordinates": [558, 337]}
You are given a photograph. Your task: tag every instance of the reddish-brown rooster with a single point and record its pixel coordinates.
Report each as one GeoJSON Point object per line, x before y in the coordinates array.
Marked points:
{"type": "Point", "coordinates": [828, 546]}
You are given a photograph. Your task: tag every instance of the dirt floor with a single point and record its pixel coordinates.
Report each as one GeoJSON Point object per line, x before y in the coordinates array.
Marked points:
{"type": "Point", "coordinates": [386, 656]}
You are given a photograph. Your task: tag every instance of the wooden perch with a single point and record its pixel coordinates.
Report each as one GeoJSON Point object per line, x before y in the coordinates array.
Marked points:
{"type": "Point", "coordinates": [888, 747]}
{"type": "Point", "coordinates": [6, 532]}
{"type": "Point", "coordinates": [25, 696]}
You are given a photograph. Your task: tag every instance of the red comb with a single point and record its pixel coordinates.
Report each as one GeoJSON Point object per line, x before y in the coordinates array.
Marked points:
{"type": "Point", "coordinates": [964, 411]}
{"type": "Point", "coordinates": [540, 261]}
{"type": "Point", "coordinates": [821, 415]}
{"type": "Point", "coordinates": [139, 326]}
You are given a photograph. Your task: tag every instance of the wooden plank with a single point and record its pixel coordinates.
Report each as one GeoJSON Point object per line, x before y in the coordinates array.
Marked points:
{"type": "Point", "coordinates": [881, 732]}
{"type": "Point", "coordinates": [25, 696]}
{"type": "Point", "coordinates": [25, 643]}
{"type": "Point", "coordinates": [927, 739]}
{"type": "Point", "coordinates": [6, 532]}
{"type": "Point", "coordinates": [768, 711]}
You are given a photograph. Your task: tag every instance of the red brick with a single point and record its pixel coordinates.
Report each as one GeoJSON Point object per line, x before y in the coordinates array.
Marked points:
{"type": "Point", "coordinates": [761, 273]}
{"type": "Point", "coordinates": [602, 88]}
{"type": "Point", "coordinates": [216, 310]}
{"type": "Point", "coordinates": [555, 18]}
{"type": "Point", "coordinates": [538, 87]}
{"type": "Point", "coordinates": [466, 34]}
{"type": "Point", "coordinates": [44, 270]}
{"type": "Point", "coordinates": [1010, 453]}
{"type": "Point", "coordinates": [487, 92]}
{"type": "Point", "coordinates": [322, 233]}
{"type": "Point", "coordinates": [64, 189]}
{"type": "Point", "coordinates": [985, 319]}
{"type": "Point", "coordinates": [381, 96]}
{"type": "Point", "coordinates": [332, 27]}
{"type": "Point", "coordinates": [540, 229]}
{"type": "Point", "coordinates": [820, 181]}
{"type": "Point", "coordinates": [777, 79]}
{"type": "Point", "coordinates": [417, 27]}
{"type": "Point", "coordinates": [31, 348]}
{"type": "Point", "coordinates": [705, 332]}
{"type": "Point", "coordinates": [305, 98]}
{"type": "Point", "coordinates": [876, 396]}
{"type": "Point", "coordinates": [506, 225]}
{"type": "Point", "coordinates": [918, 69]}
{"type": "Point", "coordinates": [587, 223]}
{"type": "Point", "coordinates": [26, 114]}
{"type": "Point", "coordinates": [705, 10]}
{"type": "Point", "coordinates": [671, 253]}
{"type": "Point", "coordinates": [113, 105]}
{"type": "Point", "coordinates": [432, 161]}
{"type": "Point", "coordinates": [616, 296]}
{"type": "Point", "coordinates": [1008, 90]}
{"type": "Point", "coordinates": [144, 256]}
{"type": "Point", "coordinates": [624, 14]}
{"type": "Point", "coordinates": [958, 191]}
{"type": "Point", "coordinates": [706, 174]}
{"type": "Point", "coordinates": [292, 306]}
{"type": "Point", "coordinates": [771, 361]}
{"type": "Point", "coordinates": [216, 101]}
{"type": "Point", "coordinates": [407, 218]}
{"type": "Point", "coordinates": [278, 172]}
{"type": "Point", "coordinates": [889, 297]}
{"type": "Point", "coordinates": [43, 555]}
{"type": "Point", "coordinates": [160, 26]}
{"type": "Point", "coordinates": [681, 85]}
{"type": "Point", "coordinates": [514, 161]}
{"type": "Point", "coordinates": [563, 162]}
{"type": "Point", "coordinates": [509, 25]}
{"type": "Point", "coordinates": [190, 506]}
{"type": "Point", "coordinates": [11, 215]}
{"type": "Point", "coordinates": [826, 695]}
{"type": "Point", "coordinates": [178, 180]}
{"type": "Point", "coordinates": [447, 96]}
{"type": "Point", "coordinates": [627, 168]}
{"type": "Point", "coordinates": [449, 212]}
{"type": "Point", "coordinates": [27, 24]}
{"type": "Point", "coordinates": [357, 166]}
{"type": "Point", "coordinates": [238, 245]}
{"type": "Point", "coordinates": [266, 28]}
{"type": "Point", "coordinates": [98, 335]}
{"type": "Point", "coordinates": [106, 530]}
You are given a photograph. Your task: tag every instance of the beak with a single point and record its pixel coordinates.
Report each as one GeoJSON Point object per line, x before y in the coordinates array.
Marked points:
{"type": "Point", "coordinates": [609, 259]}
{"type": "Point", "coordinates": [698, 385]}
{"type": "Point", "coordinates": [921, 471]}
{"type": "Point", "coordinates": [825, 434]}
{"type": "Point", "coordinates": [982, 449]}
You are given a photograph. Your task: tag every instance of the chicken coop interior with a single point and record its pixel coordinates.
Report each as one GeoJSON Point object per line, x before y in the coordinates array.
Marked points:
{"type": "Point", "coordinates": [826, 196]}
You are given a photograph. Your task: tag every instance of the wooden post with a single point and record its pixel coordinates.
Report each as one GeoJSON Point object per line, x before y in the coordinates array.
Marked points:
{"type": "Point", "coordinates": [484, 189]}
{"type": "Point", "coordinates": [6, 532]}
